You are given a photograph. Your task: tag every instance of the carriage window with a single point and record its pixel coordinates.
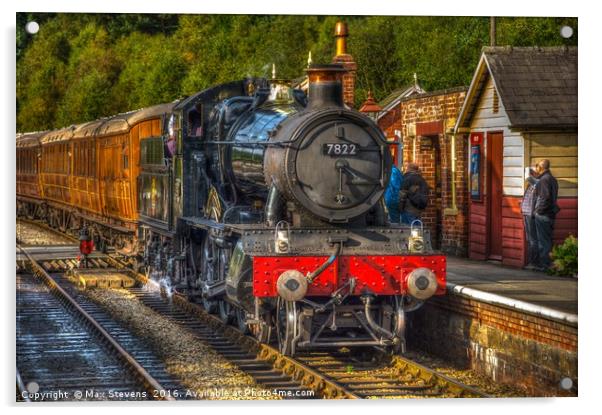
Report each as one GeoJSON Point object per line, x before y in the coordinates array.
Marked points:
{"type": "Point", "coordinates": [83, 158]}
{"type": "Point", "coordinates": [92, 160]}
{"type": "Point", "coordinates": [125, 158]}
{"type": "Point", "coordinates": [151, 151]}
{"type": "Point", "coordinates": [76, 159]}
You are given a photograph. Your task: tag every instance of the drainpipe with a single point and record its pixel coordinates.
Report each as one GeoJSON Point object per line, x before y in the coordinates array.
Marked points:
{"type": "Point", "coordinates": [453, 171]}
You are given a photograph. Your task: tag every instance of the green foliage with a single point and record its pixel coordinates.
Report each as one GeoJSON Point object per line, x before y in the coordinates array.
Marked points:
{"type": "Point", "coordinates": [564, 258]}
{"type": "Point", "coordinates": [92, 71]}
{"type": "Point", "coordinates": [84, 66]}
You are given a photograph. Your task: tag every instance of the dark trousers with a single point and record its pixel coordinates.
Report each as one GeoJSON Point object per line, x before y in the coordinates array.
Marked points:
{"type": "Point", "coordinates": [408, 218]}
{"type": "Point", "coordinates": [544, 226]}
{"type": "Point", "coordinates": [394, 214]}
{"type": "Point", "coordinates": [532, 246]}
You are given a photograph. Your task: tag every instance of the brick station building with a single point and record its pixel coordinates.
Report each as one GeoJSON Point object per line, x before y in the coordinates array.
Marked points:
{"type": "Point", "coordinates": [422, 124]}
{"type": "Point", "coordinates": [473, 145]}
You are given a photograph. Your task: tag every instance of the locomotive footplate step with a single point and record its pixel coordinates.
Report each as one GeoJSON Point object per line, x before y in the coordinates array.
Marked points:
{"type": "Point", "coordinates": [503, 283]}
{"type": "Point", "coordinates": [101, 278]}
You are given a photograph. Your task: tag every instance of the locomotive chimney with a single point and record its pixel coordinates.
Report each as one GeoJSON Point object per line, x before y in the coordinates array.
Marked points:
{"type": "Point", "coordinates": [325, 86]}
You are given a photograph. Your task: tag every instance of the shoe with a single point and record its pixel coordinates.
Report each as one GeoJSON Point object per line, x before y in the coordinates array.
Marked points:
{"type": "Point", "coordinates": [530, 267]}
{"type": "Point", "coordinates": [540, 269]}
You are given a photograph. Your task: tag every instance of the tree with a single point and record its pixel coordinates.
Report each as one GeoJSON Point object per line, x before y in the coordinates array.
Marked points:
{"type": "Point", "coordinates": [80, 67]}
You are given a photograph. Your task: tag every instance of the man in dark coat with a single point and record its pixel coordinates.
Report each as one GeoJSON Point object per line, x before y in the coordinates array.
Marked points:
{"type": "Point", "coordinates": [413, 194]}
{"type": "Point", "coordinates": [545, 210]}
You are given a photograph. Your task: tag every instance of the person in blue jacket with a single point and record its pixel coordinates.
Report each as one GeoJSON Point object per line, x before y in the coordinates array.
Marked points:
{"type": "Point", "coordinates": [392, 195]}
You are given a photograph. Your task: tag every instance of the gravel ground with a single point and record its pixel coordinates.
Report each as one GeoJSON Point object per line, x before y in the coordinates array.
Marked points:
{"type": "Point", "coordinates": [467, 376]}
{"type": "Point", "coordinates": [31, 234]}
{"type": "Point", "coordinates": [207, 374]}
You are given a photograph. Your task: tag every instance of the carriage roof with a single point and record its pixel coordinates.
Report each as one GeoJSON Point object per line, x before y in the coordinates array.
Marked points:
{"type": "Point", "coordinates": [115, 124]}
{"type": "Point", "coordinates": [29, 139]}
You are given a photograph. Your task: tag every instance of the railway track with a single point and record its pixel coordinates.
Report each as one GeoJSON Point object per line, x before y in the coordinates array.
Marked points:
{"type": "Point", "coordinates": [369, 373]}
{"type": "Point", "coordinates": [46, 228]}
{"type": "Point", "coordinates": [65, 351]}
{"type": "Point", "coordinates": [330, 374]}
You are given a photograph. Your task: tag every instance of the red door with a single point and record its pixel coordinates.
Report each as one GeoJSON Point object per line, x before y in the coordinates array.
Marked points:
{"type": "Point", "coordinates": [495, 157]}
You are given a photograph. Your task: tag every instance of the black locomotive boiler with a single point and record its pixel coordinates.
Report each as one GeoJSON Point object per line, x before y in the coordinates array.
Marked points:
{"type": "Point", "coordinates": [266, 205]}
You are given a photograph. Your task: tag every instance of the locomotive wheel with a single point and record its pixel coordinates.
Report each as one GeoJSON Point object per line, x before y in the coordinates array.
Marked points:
{"type": "Point", "coordinates": [210, 306]}
{"type": "Point", "coordinates": [63, 223]}
{"type": "Point", "coordinates": [30, 212]}
{"type": "Point", "coordinates": [286, 320]}
{"type": "Point", "coordinates": [226, 311]}
{"type": "Point", "coordinates": [241, 320]}
{"type": "Point", "coordinates": [208, 272]}
{"type": "Point", "coordinates": [399, 327]}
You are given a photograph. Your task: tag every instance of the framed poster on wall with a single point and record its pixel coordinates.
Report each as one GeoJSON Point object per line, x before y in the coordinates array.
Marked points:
{"type": "Point", "coordinates": [476, 191]}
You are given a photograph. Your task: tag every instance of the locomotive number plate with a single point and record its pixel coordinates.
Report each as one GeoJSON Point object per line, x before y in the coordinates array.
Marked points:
{"type": "Point", "coordinates": [340, 150]}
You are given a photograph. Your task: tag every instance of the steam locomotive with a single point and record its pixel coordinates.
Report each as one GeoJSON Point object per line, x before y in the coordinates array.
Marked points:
{"type": "Point", "coordinates": [259, 201]}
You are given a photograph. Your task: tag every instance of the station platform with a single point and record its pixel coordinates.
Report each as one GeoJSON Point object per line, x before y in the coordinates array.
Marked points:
{"type": "Point", "coordinates": [519, 288]}
{"type": "Point", "coordinates": [515, 326]}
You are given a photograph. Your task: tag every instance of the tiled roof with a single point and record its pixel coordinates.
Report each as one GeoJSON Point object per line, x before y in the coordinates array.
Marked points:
{"type": "Point", "coordinates": [396, 96]}
{"type": "Point", "coordinates": [538, 86]}
{"type": "Point", "coordinates": [400, 93]}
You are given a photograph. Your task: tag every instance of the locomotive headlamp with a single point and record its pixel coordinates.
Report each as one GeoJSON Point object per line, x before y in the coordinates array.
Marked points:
{"type": "Point", "coordinates": [291, 285]}
{"type": "Point", "coordinates": [282, 237]}
{"type": "Point", "coordinates": [416, 240]}
{"type": "Point", "coordinates": [422, 283]}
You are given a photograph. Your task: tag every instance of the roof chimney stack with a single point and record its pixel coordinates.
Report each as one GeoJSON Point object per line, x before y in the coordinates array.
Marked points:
{"type": "Point", "coordinates": [341, 32]}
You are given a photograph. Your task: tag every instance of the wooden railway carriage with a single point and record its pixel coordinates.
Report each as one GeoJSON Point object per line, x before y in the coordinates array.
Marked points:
{"type": "Point", "coordinates": [54, 175]}
{"type": "Point", "coordinates": [28, 165]}
{"type": "Point", "coordinates": [87, 173]}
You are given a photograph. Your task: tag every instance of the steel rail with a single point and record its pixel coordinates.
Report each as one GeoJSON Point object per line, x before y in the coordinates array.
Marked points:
{"type": "Point", "coordinates": [47, 228]}
{"type": "Point", "coordinates": [440, 380]}
{"type": "Point", "coordinates": [21, 389]}
{"type": "Point", "coordinates": [150, 383]}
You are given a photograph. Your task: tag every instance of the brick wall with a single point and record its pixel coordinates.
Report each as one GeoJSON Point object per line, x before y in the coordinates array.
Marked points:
{"type": "Point", "coordinates": [420, 115]}
{"type": "Point", "coordinates": [507, 345]}
{"type": "Point", "coordinates": [349, 78]}
{"type": "Point", "coordinates": [390, 122]}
